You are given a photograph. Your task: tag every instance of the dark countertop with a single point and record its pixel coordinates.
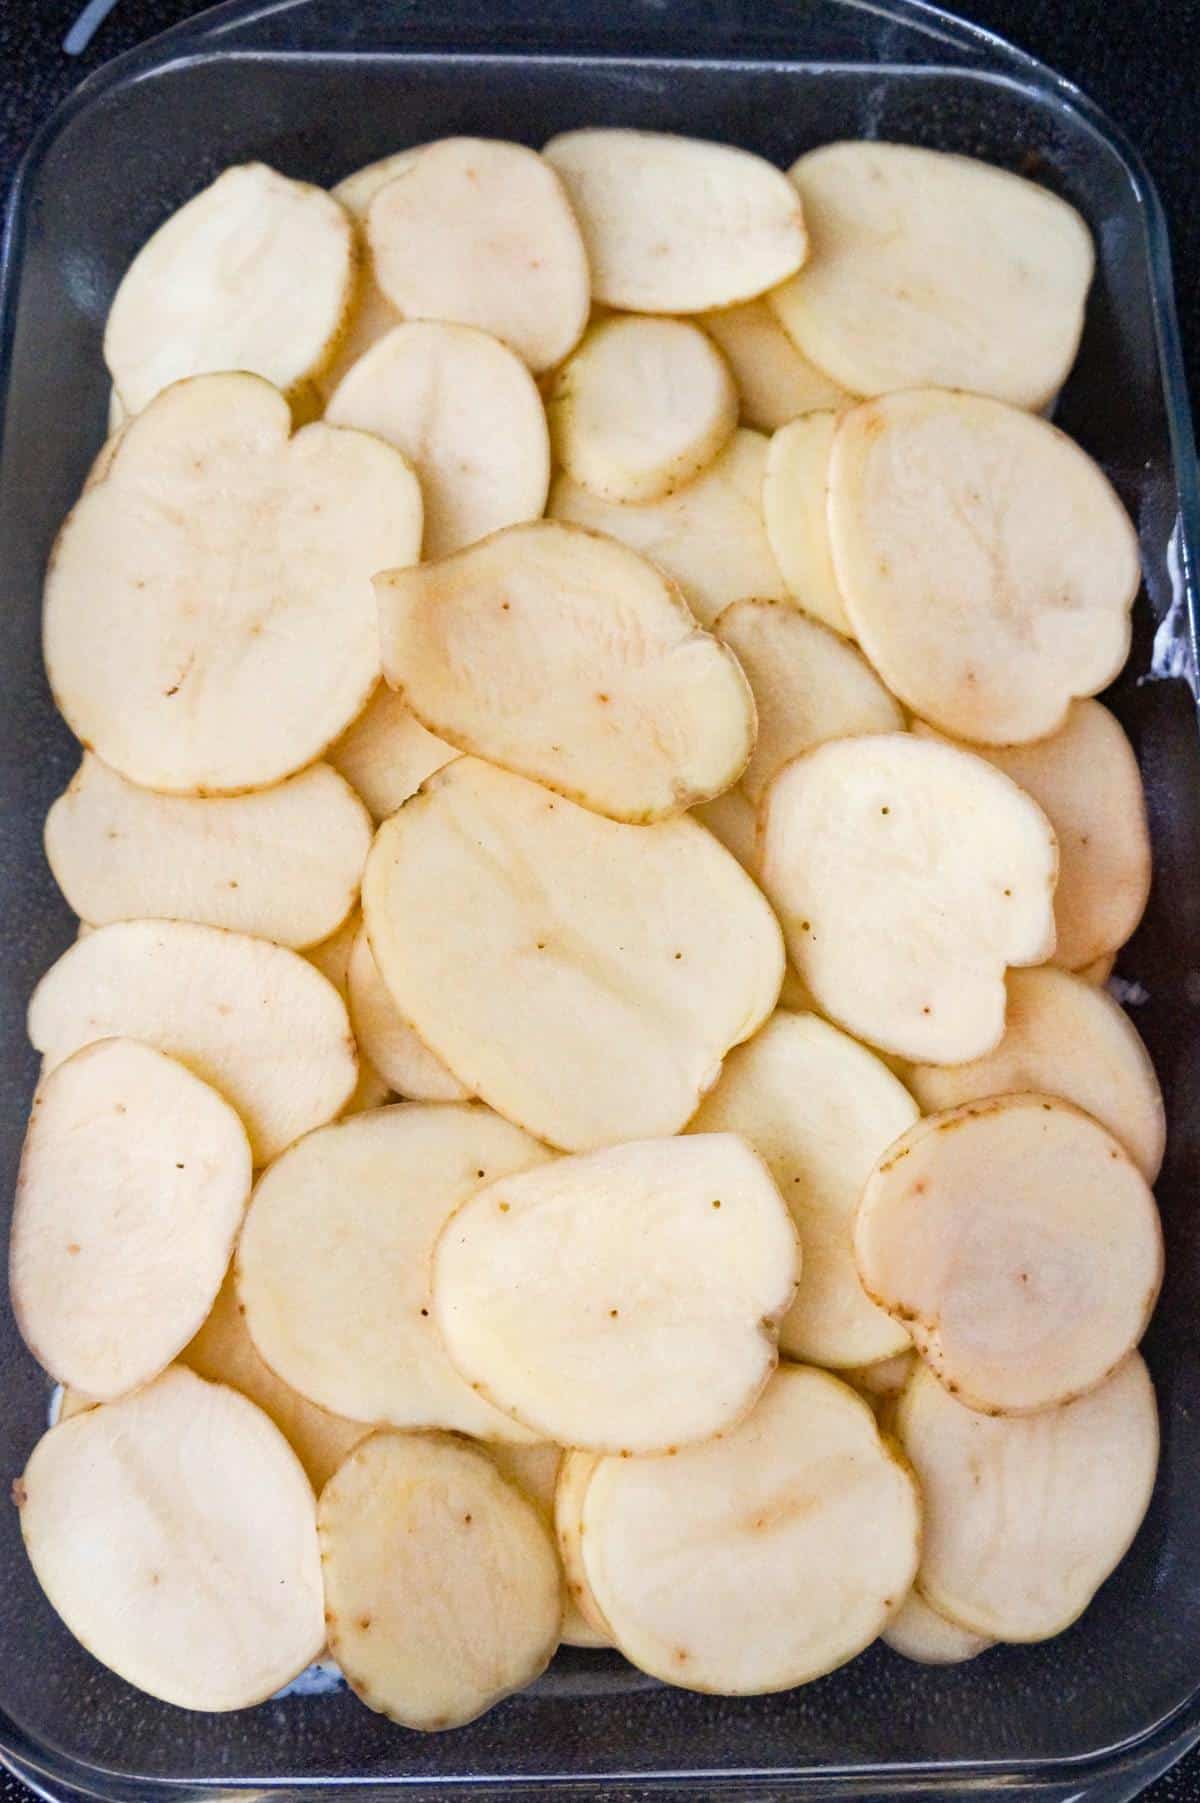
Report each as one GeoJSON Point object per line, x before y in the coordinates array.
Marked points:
{"type": "Point", "coordinates": [1138, 60]}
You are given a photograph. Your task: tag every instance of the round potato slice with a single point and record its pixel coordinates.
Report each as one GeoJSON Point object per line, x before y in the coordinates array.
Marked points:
{"type": "Point", "coordinates": [709, 537]}
{"type": "Point", "coordinates": [938, 269]}
{"type": "Point", "coordinates": [131, 1190]}
{"type": "Point", "coordinates": [208, 1594]}
{"type": "Point", "coordinates": [333, 1266]}
{"type": "Point", "coordinates": [255, 1021]}
{"type": "Point", "coordinates": [731, 819]}
{"type": "Point", "coordinates": [570, 659]}
{"type": "Point", "coordinates": [1020, 1245]}
{"type": "Point", "coordinates": [189, 304]}
{"type": "Point", "coordinates": [442, 1590]}
{"type": "Point", "coordinates": [394, 1049]}
{"type": "Point", "coordinates": [535, 1472]}
{"type": "Point", "coordinates": [678, 225]}
{"type": "Point", "coordinates": [808, 686]}
{"type": "Point", "coordinates": [795, 479]}
{"type": "Point", "coordinates": [357, 190]}
{"type": "Point", "coordinates": [574, 1476]}
{"type": "Point", "coordinates": [660, 1326]}
{"type": "Point", "coordinates": [467, 412]}
{"type": "Point", "coordinates": [775, 382]}
{"type": "Point", "coordinates": [209, 620]}
{"type": "Point", "coordinates": [984, 561]}
{"type": "Point", "coordinates": [1063, 1037]}
{"type": "Point", "coordinates": [906, 883]}
{"type": "Point", "coordinates": [763, 1559]}
{"type": "Point", "coordinates": [332, 958]}
{"type": "Point", "coordinates": [373, 313]}
{"type": "Point", "coordinates": [1026, 1517]}
{"type": "Point", "coordinates": [282, 863]}
{"type": "Point", "coordinates": [387, 754]}
{"type": "Point", "coordinates": [819, 1108]}
{"type": "Point", "coordinates": [919, 1633]}
{"type": "Point", "coordinates": [591, 975]}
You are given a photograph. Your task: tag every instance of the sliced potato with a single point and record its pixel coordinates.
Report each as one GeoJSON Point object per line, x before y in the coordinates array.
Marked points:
{"type": "Point", "coordinates": [763, 1559]}
{"type": "Point", "coordinates": [1099, 970]}
{"type": "Point", "coordinates": [590, 976]}
{"type": "Point", "coordinates": [709, 536]}
{"type": "Point", "coordinates": [731, 819]}
{"type": "Point", "coordinates": [257, 1022]}
{"type": "Point", "coordinates": [207, 496]}
{"type": "Point", "coordinates": [884, 1379]}
{"type": "Point", "coordinates": [795, 481]}
{"type": "Point", "coordinates": [357, 190]}
{"type": "Point", "coordinates": [394, 1049]}
{"type": "Point", "coordinates": [574, 1475]}
{"type": "Point", "coordinates": [1026, 1517]}
{"type": "Point", "coordinates": [938, 269]}
{"type": "Point", "coordinates": [373, 313]}
{"type": "Point", "coordinates": [906, 883]}
{"type": "Point", "coordinates": [442, 1591]}
{"type": "Point", "coordinates": [131, 1190]}
{"type": "Point", "coordinates": [1019, 1244]}
{"type": "Point", "coordinates": [256, 272]}
{"type": "Point", "coordinates": [775, 382]}
{"type": "Point", "coordinates": [117, 413]}
{"type": "Point", "coordinates": [919, 1633]}
{"type": "Point", "coordinates": [332, 958]}
{"type": "Point", "coordinates": [819, 1108]}
{"type": "Point", "coordinates": [208, 1594]}
{"type": "Point", "coordinates": [535, 1472]}
{"type": "Point", "coordinates": [467, 412]}
{"type": "Point", "coordinates": [568, 658]}
{"type": "Point", "coordinates": [984, 561]}
{"type": "Point", "coordinates": [333, 1267]}
{"type": "Point", "coordinates": [386, 753]}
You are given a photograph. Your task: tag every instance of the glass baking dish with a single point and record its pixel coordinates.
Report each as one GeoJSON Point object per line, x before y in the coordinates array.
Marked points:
{"type": "Point", "coordinates": [318, 87]}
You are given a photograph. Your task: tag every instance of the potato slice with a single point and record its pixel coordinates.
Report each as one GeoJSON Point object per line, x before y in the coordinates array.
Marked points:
{"type": "Point", "coordinates": [775, 382]}
{"type": "Point", "coordinates": [731, 819]}
{"type": "Point", "coordinates": [819, 1108]}
{"type": "Point", "coordinates": [1063, 1037]}
{"type": "Point", "coordinates": [208, 1594]}
{"type": "Point", "coordinates": [207, 496]}
{"type": "Point", "coordinates": [383, 1034]}
{"type": "Point", "coordinates": [442, 1591]}
{"type": "Point", "coordinates": [984, 561]}
{"type": "Point", "coordinates": [373, 313]}
{"type": "Point", "coordinates": [938, 269]}
{"type": "Point", "coordinates": [357, 190]}
{"type": "Point", "coordinates": [574, 1476]}
{"type": "Point", "coordinates": [282, 863]}
{"type": "Point", "coordinates": [571, 660]}
{"type": "Point", "coordinates": [535, 1472]}
{"type": "Point", "coordinates": [332, 958]}
{"type": "Point", "coordinates": [131, 1190]}
{"type": "Point", "coordinates": [795, 479]}
{"type": "Point", "coordinates": [117, 413]}
{"type": "Point", "coordinates": [387, 754]}
{"type": "Point", "coordinates": [1019, 1243]}
{"type": "Point", "coordinates": [340, 1233]}
{"type": "Point", "coordinates": [659, 1328]}
{"type": "Point", "coordinates": [884, 1379]}
{"type": "Point", "coordinates": [919, 1633]}
{"type": "Point", "coordinates": [256, 273]}
{"type": "Point", "coordinates": [763, 1559]}
{"type": "Point", "coordinates": [1099, 970]}
{"type": "Point", "coordinates": [709, 536]}
{"type": "Point", "coordinates": [1026, 1517]}
{"type": "Point", "coordinates": [467, 412]}
{"type": "Point", "coordinates": [906, 882]}
{"type": "Point", "coordinates": [808, 686]}
{"type": "Point", "coordinates": [590, 976]}
{"type": "Point", "coordinates": [678, 225]}
{"type": "Point", "coordinates": [257, 1022]}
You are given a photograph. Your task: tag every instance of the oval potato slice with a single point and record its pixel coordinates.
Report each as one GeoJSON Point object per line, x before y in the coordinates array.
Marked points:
{"type": "Point", "coordinates": [535, 1472]}
{"type": "Point", "coordinates": [984, 561]}
{"type": "Point", "coordinates": [919, 1633]}
{"type": "Point", "coordinates": [906, 884]}
{"type": "Point", "coordinates": [394, 1049]}
{"type": "Point", "coordinates": [386, 754]}
{"type": "Point", "coordinates": [373, 313]}
{"type": "Point", "coordinates": [571, 660]}
{"type": "Point", "coordinates": [678, 225]}
{"type": "Point", "coordinates": [1020, 1245]}
{"type": "Point", "coordinates": [731, 819]}
{"type": "Point", "coordinates": [332, 958]}
{"type": "Point", "coordinates": [574, 1475]}
{"type": "Point", "coordinates": [775, 382]}
{"type": "Point", "coordinates": [591, 975]}
{"type": "Point", "coordinates": [795, 481]}
{"type": "Point", "coordinates": [208, 1595]}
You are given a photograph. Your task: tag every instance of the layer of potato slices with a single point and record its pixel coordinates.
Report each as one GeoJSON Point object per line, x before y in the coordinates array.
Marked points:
{"type": "Point", "coordinates": [383, 1035]}
{"type": "Point", "coordinates": [386, 754]}
{"type": "Point", "coordinates": [775, 382]}
{"type": "Point", "coordinates": [795, 484]}
{"type": "Point", "coordinates": [919, 1633]}
{"type": "Point", "coordinates": [535, 1470]}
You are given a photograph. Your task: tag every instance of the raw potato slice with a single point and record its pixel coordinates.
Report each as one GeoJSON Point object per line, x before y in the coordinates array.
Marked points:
{"type": "Point", "coordinates": [883, 1380]}
{"type": "Point", "coordinates": [984, 561]}
{"type": "Point", "coordinates": [571, 660]}
{"type": "Point", "coordinates": [709, 537]}
{"type": "Point", "coordinates": [1063, 1037]}
{"type": "Point", "coordinates": [938, 269]}
{"type": "Point", "coordinates": [131, 1190]}
{"type": "Point", "coordinates": [209, 620]}
{"type": "Point", "coordinates": [906, 882]}
{"type": "Point", "coordinates": [254, 273]}
{"type": "Point", "coordinates": [1019, 1243]}
{"type": "Point", "coordinates": [574, 1476]}
{"type": "Point", "coordinates": [623, 1301]}
{"type": "Point", "coordinates": [591, 976]}
{"type": "Point", "coordinates": [764, 1558]}
{"type": "Point", "coordinates": [808, 686]}
{"type": "Point", "coordinates": [819, 1108]}
{"type": "Point", "coordinates": [467, 412]}
{"type": "Point", "coordinates": [282, 863]}
{"type": "Point", "coordinates": [678, 225]}
{"type": "Point", "coordinates": [208, 1594]}
{"type": "Point", "coordinates": [357, 190]}
{"type": "Point", "coordinates": [117, 413]}
{"type": "Point", "coordinates": [776, 383]}
{"type": "Point", "coordinates": [1025, 1518]}
{"type": "Point", "coordinates": [731, 819]}
{"type": "Point", "coordinates": [332, 959]}
{"type": "Point", "coordinates": [442, 1591]}
{"type": "Point", "coordinates": [480, 232]}
{"type": "Point", "coordinates": [255, 1021]}
{"type": "Point", "coordinates": [387, 754]}
{"type": "Point", "coordinates": [405, 1062]}
{"type": "Point", "coordinates": [1099, 970]}
{"type": "Point", "coordinates": [535, 1472]}
{"type": "Point", "coordinates": [373, 314]}
{"type": "Point", "coordinates": [641, 408]}
{"type": "Point", "coordinates": [795, 481]}
{"type": "Point", "coordinates": [333, 1267]}
{"type": "Point", "coordinates": [918, 1632]}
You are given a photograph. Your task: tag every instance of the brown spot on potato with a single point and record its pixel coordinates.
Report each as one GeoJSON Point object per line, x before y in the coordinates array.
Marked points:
{"type": "Point", "coordinates": [19, 1493]}
{"type": "Point", "coordinates": [73, 1249]}
{"type": "Point", "coordinates": [364, 1622]}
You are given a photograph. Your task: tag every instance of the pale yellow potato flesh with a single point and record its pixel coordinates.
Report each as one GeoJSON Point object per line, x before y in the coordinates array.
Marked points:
{"type": "Point", "coordinates": [919, 1633]}
{"type": "Point", "coordinates": [776, 383]}
{"type": "Point", "coordinates": [574, 1475]}
{"type": "Point", "coordinates": [1099, 970]}
{"type": "Point", "coordinates": [332, 958]}
{"type": "Point", "coordinates": [386, 754]}
{"type": "Point", "coordinates": [357, 190]}
{"type": "Point", "coordinates": [117, 413]}
{"type": "Point", "coordinates": [732, 819]}
{"type": "Point", "coordinates": [372, 314]}
{"type": "Point", "coordinates": [795, 483]}
{"type": "Point", "coordinates": [884, 1379]}
{"type": "Point", "coordinates": [394, 1049]}
{"type": "Point", "coordinates": [535, 1472]}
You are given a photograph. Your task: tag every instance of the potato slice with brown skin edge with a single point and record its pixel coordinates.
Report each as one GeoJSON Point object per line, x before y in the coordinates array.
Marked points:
{"type": "Point", "coordinates": [919, 1633]}
{"type": "Point", "coordinates": [535, 1472]}
{"type": "Point", "coordinates": [775, 382]}
{"type": "Point", "coordinates": [392, 1045]}
{"type": "Point", "coordinates": [795, 479]}
{"type": "Point", "coordinates": [575, 1473]}
{"type": "Point", "coordinates": [1019, 1244]}
{"type": "Point", "coordinates": [386, 753]}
